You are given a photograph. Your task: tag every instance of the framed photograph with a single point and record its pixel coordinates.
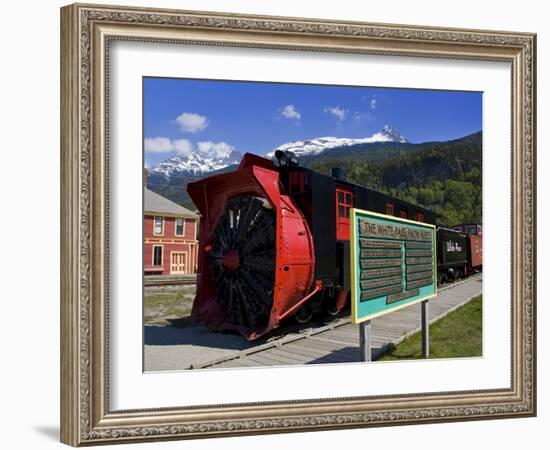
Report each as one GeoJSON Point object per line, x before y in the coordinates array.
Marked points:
{"type": "Point", "coordinates": [281, 224]}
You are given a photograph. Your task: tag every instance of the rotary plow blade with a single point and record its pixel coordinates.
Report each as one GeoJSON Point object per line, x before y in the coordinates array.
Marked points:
{"type": "Point", "coordinates": [243, 260]}
{"type": "Point", "coordinates": [256, 256]}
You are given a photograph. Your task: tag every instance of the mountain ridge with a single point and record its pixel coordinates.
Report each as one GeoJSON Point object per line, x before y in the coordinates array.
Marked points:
{"type": "Point", "coordinates": [316, 146]}
{"type": "Point", "coordinates": [195, 164]}
{"type": "Point", "coordinates": [393, 167]}
{"type": "Point", "coordinates": [198, 164]}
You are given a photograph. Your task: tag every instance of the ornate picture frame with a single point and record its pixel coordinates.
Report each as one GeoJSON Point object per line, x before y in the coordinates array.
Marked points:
{"type": "Point", "coordinates": [86, 34]}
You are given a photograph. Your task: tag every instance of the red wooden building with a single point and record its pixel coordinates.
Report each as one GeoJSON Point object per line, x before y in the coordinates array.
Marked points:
{"type": "Point", "coordinates": [170, 237]}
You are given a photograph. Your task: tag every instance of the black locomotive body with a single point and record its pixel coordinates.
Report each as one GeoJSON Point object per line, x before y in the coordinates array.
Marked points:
{"type": "Point", "coordinates": [452, 255]}
{"type": "Point", "coordinates": [326, 202]}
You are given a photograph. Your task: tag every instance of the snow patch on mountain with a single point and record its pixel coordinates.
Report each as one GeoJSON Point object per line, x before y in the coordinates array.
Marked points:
{"type": "Point", "coordinates": [318, 145]}
{"type": "Point", "coordinates": [196, 164]}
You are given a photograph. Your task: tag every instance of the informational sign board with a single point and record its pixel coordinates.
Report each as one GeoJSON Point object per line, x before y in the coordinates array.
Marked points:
{"type": "Point", "coordinates": [393, 264]}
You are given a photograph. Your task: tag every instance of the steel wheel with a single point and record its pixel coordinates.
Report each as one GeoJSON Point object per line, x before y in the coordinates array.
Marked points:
{"type": "Point", "coordinates": [332, 310]}
{"type": "Point", "coordinates": [243, 260]}
{"type": "Point", "coordinates": [304, 314]}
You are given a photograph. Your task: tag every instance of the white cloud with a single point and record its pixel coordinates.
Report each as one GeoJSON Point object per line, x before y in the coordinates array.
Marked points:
{"type": "Point", "coordinates": [339, 113]}
{"type": "Point", "coordinates": [191, 122]}
{"type": "Point", "coordinates": [165, 145]}
{"type": "Point", "coordinates": [289, 111]}
{"type": "Point", "coordinates": [158, 145]}
{"type": "Point", "coordinates": [210, 149]}
{"type": "Point", "coordinates": [373, 103]}
{"type": "Point", "coordinates": [183, 147]}
{"type": "Point", "coordinates": [358, 116]}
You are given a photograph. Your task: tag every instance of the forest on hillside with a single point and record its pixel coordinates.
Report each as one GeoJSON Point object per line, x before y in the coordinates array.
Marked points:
{"type": "Point", "coordinates": [446, 178]}
{"type": "Point", "coordinates": [443, 176]}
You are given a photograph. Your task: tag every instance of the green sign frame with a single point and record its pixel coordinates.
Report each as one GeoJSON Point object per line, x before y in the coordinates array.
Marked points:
{"type": "Point", "coordinates": [393, 264]}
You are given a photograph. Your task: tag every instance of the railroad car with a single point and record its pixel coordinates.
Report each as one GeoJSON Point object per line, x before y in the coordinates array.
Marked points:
{"type": "Point", "coordinates": [452, 254]}
{"type": "Point", "coordinates": [474, 245]}
{"type": "Point", "coordinates": [274, 242]}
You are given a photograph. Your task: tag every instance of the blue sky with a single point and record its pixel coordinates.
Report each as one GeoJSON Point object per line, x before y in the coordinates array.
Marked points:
{"type": "Point", "coordinates": [183, 115]}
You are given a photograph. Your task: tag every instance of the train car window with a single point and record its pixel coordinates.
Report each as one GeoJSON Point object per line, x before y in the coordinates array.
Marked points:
{"type": "Point", "coordinates": [403, 214]}
{"type": "Point", "coordinates": [471, 229]}
{"type": "Point", "coordinates": [344, 203]}
{"type": "Point", "coordinates": [389, 209]}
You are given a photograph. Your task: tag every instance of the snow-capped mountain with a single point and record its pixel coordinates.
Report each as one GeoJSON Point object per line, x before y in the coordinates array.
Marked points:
{"type": "Point", "coordinates": [200, 163]}
{"type": "Point", "coordinates": [319, 145]}
{"type": "Point", "coordinates": [195, 164]}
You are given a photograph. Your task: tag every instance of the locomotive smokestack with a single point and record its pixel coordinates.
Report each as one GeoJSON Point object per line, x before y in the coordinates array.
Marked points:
{"type": "Point", "coordinates": [286, 158]}
{"type": "Point", "coordinates": [338, 172]}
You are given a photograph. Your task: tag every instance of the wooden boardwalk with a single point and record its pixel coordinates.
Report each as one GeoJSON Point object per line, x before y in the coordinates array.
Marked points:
{"type": "Point", "coordinates": [340, 342]}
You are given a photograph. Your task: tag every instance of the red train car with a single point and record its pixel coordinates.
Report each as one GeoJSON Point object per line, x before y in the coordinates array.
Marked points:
{"type": "Point", "coordinates": [475, 245]}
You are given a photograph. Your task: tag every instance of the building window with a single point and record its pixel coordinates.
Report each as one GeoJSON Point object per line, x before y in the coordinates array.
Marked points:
{"type": "Point", "coordinates": [403, 214]}
{"type": "Point", "coordinates": [345, 203]}
{"type": "Point", "coordinates": [419, 216]}
{"type": "Point", "coordinates": [180, 223]}
{"type": "Point", "coordinates": [389, 209]}
{"type": "Point", "coordinates": [157, 255]}
{"type": "Point", "coordinates": [159, 225]}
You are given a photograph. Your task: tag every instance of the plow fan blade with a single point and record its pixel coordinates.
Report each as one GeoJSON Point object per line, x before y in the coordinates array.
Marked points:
{"type": "Point", "coordinates": [243, 260]}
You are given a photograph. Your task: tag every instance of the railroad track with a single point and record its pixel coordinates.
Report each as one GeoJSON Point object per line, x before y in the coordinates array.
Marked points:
{"type": "Point", "coordinates": [177, 282]}
{"type": "Point", "coordinates": [318, 340]}
{"type": "Point", "coordinates": [190, 281]}
{"type": "Point", "coordinates": [458, 283]}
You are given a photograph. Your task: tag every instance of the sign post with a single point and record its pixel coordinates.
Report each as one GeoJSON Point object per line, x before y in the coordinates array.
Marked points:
{"type": "Point", "coordinates": [393, 265]}
{"type": "Point", "coordinates": [365, 341]}
{"type": "Point", "coordinates": [425, 329]}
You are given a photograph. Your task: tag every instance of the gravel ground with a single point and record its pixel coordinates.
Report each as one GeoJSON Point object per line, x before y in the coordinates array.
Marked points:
{"type": "Point", "coordinates": [168, 327]}
{"type": "Point", "coordinates": [171, 348]}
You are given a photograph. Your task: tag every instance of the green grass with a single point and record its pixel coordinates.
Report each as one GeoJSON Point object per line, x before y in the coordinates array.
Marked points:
{"type": "Point", "coordinates": [459, 334]}
{"type": "Point", "coordinates": [162, 305]}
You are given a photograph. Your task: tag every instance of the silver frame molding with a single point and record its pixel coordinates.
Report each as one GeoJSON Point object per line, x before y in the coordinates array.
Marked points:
{"type": "Point", "coordinates": [86, 31]}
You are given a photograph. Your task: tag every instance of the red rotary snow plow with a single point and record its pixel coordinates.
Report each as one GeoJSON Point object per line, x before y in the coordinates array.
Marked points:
{"type": "Point", "coordinates": [256, 254]}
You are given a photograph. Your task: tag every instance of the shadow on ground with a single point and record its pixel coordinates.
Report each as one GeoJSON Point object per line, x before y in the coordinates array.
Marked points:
{"type": "Point", "coordinates": [195, 335]}
{"type": "Point", "coordinates": [350, 354]}
{"type": "Point", "coordinates": [182, 332]}
{"type": "Point", "coordinates": [51, 432]}
{"type": "Point", "coordinates": [342, 355]}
